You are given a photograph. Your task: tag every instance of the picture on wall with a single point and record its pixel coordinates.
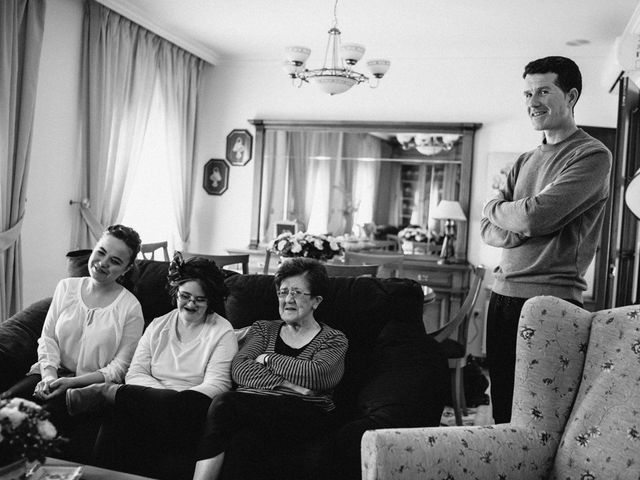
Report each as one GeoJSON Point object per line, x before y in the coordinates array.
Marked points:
{"type": "Point", "coordinates": [282, 227]}
{"type": "Point", "coordinates": [216, 176]}
{"type": "Point", "coordinates": [239, 143]}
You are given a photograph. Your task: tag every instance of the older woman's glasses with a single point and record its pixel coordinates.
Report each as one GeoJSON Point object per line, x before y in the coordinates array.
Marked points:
{"type": "Point", "coordinates": [295, 294]}
{"type": "Point", "coordinates": [187, 297]}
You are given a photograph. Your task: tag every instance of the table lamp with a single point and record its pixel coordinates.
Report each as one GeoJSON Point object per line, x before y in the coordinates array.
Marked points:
{"type": "Point", "coordinates": [632, 195]}
{"type": "Point", "coordinates": [448, 210]}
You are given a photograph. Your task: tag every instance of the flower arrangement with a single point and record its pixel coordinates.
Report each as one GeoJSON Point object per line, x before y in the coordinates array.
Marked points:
{"type": "Point", "coordinates": [414, 234]}
{"type": "Point", "coordinates": [303, 244]}
{"type": "Point", "coordinates": [25, 431]}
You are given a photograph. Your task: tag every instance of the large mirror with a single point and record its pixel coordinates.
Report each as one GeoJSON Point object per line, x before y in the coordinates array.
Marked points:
{"type": "Point", "coordinates": [361, 179]}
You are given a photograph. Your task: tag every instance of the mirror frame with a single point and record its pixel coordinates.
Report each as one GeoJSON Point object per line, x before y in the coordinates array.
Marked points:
{"type": "Point", "coordinates": [467, 130]}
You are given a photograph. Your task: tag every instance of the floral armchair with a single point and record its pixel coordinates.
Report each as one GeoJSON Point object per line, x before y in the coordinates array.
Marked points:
{"type": "Point", "coordinates": [576, 409]}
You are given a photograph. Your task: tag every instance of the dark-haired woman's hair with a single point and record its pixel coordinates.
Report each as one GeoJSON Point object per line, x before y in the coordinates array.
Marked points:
{"type": "Point", "coordinates": [312, 269]}
{"type": "Point", "coordinates": [203, 271]}
{"type": "Point", "coordinates": [132, 240]}
{"type": "Point", "coordinates": [129, 236]}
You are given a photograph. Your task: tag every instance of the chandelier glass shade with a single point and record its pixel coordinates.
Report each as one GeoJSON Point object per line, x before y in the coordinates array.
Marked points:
{"type": "Point", "coordinates": [337, 74]}
{"type": "Point", "coordinates": [428, 143]}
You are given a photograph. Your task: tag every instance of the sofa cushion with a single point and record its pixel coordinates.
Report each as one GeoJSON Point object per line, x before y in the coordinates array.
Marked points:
{"type": "Point", "coordinates": [150, 288]}
{"type": "Point", "coordinates": [602, 437]}
{"type": "Point", "coordinates": [19, 342]}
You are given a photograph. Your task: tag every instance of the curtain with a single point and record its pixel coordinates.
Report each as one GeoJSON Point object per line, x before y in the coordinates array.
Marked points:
{"type": "Point", "coordinates": [274, 184]}
{"type": "Point", "coordinates": [21, 30]}
{"type": "Point", "coordinates": [178, 81]}
{"type": "Point", "coordinates": [122, 65]}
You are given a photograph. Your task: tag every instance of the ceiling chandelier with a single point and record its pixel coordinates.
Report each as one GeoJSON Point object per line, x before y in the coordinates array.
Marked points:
{"type": "Point", "coordinates": [337, 74]}
{"type": "Point", "coordinates": [427, 143]}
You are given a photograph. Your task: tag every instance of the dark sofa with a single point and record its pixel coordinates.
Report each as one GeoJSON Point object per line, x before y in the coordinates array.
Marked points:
{"type": "Point", "coordinates": [395, 374]}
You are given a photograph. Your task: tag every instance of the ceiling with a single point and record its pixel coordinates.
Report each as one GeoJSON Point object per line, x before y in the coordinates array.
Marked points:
{"type": "Point", "coordinates": [258, 30]}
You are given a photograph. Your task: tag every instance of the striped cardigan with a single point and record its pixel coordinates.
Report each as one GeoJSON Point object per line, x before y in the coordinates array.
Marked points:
{"type": "Point", "coordinates": [319, 367]}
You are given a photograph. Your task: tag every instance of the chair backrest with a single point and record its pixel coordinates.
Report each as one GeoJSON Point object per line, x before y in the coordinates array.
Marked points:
{"type": "Point", "coordinates": [224, 260]}
{"type": "Point", "coordinates": [390, 264]}
{"type": "Point", "coordinates": [460, 321]}
{"type": "Point", "coordinates": [398, 242]}
{"type": "Point", "coordinates": [334, 270]}
{"type": "Point", "coordinates": [148, 250]}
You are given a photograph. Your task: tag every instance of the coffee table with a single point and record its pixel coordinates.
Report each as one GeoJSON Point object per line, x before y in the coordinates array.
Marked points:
{"type": "Point", "coordinates": [96, 473]}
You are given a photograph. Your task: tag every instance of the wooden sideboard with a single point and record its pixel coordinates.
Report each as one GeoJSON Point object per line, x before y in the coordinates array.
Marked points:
{"type": "Point", "coordinates": [450, 281]}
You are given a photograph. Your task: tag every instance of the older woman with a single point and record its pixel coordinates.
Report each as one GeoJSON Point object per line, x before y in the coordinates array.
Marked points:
{"type": "Point", "coordinates": [183, 360]}
{"type": "Point", "coordinates": [285, 373]}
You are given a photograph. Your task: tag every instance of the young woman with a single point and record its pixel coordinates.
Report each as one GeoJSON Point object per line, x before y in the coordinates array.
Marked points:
{"type": "Point", "coordinates": [182, 362]}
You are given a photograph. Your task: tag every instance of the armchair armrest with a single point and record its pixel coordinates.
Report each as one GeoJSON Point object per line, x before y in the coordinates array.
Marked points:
{"type": "Point", "coordinates": [498, 452]}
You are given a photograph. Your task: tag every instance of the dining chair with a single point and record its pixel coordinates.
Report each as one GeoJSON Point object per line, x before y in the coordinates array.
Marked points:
{"type": "Point", "coordinates": [452, 336]}
{"type": "Point", "coordinates": [334, 270]}
{"type": "Point", "coordinates": [390, 265]}
{"type": "Point", "coordinates": [397, 241]}
{"type": "Point", "coordinates": [148, 250]}
{"type": "Point", "coordinates": [224, 260]}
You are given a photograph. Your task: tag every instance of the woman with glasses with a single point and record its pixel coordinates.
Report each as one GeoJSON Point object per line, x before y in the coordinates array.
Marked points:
{"type": "Point", "coordinates": [285, 375]}
{"type": "Point", "coordinates": [182, 361]}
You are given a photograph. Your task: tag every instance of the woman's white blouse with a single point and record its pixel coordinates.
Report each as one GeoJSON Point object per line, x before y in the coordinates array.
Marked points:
{"type": "Point", "coordinates": [203, 364]}
{"type": "Point", "coordinates": [85, 340]}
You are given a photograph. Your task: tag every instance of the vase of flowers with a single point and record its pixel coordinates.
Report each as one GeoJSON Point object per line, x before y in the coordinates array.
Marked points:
{"type": "Point", "coordinates": [303, 244]}
{"type": "Point", "coordinates": [413, 235]}
{"type": "Point", "coordinates": [27, 436]}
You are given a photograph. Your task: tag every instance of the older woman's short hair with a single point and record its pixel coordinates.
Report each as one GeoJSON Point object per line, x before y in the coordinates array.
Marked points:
{"type": "Point", "coordinates": [203, 271]}
{"type": "Point", "coordinates": [312, 269]}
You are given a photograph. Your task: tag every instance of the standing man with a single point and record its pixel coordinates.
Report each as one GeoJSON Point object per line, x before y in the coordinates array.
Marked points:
{"type": "Point", "coordinates": [547, 219]}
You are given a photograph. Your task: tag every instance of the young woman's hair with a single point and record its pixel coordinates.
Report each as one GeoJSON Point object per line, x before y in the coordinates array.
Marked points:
{"type": "Point", "coordinates": [312, 269]}
{"type": "Point", "coordinates": [203, 271]}
{"type": "Point", "coordinates": [130, 238]}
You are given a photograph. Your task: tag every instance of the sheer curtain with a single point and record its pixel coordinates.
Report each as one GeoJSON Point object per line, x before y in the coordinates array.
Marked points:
{"type": "Point", "coordinates": [21, 30]}
{"type": "Point", "coordinates": [122, 65]}
{"type": "Point", "coordinates": [179, 78]}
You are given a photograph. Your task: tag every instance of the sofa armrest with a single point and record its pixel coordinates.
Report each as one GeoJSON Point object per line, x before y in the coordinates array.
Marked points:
{"type": "Point", "coordinates": [500, 451]}
{"type": "Point", "coordinates": [19, 342]}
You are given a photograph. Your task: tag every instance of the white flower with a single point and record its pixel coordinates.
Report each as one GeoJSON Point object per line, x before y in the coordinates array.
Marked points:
{"type": "Point", "coordinates": [16, 402]}
{"type": "Point", "coordinates": [12, 414]}
{"type": "Point", "coordinates": [333, 244]}
{"type": "Point", "coordinates": [282, 244]}
{"type": "Point", "coordinates": [318, 243]}
{"type": "Point", "coordinates": [47, 430]}
{"type": "Point", "coordinates": [296, 247]}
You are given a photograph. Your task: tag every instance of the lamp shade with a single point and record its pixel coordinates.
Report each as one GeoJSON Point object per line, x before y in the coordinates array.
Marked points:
{"type": "Point", "coordinates": [449, 210]}
{"type": "Point", "coordinates": [632, 195]}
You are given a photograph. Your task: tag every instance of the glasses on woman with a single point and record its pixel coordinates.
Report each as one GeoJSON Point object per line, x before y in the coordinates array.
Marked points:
{"type": "Point", "coordinates": [295, 294]}
{"type": "Point", "coordinates": [187, 297]}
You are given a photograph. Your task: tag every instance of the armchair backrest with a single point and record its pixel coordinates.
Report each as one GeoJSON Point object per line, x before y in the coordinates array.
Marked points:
{"type": "Point", "coordinates": [603, 434]}
{"type": "Point", "coordinates": [550, 353]}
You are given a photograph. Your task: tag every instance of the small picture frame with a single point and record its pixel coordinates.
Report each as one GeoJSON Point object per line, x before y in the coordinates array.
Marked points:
{"type": "Point", "coordinates": [216, 176]}
{"type": "Point", "coordinates": [239, 147]}
{"type": "Point", "coordinates": [282, 227]}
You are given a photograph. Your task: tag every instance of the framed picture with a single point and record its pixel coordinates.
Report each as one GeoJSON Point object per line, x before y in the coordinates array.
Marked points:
{"type": "Point", "coordinates": [216, 176]}
{"type": "Point", "coordinates": [282, 227]}
{"type": "Point", "coordinates": [239, 144]}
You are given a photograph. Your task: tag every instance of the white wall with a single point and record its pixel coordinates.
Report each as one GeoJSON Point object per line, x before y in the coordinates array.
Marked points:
{"type": "Point", "coordinates": [487, 91]}
{"type": "Point", "coordinates": [54, 152]}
